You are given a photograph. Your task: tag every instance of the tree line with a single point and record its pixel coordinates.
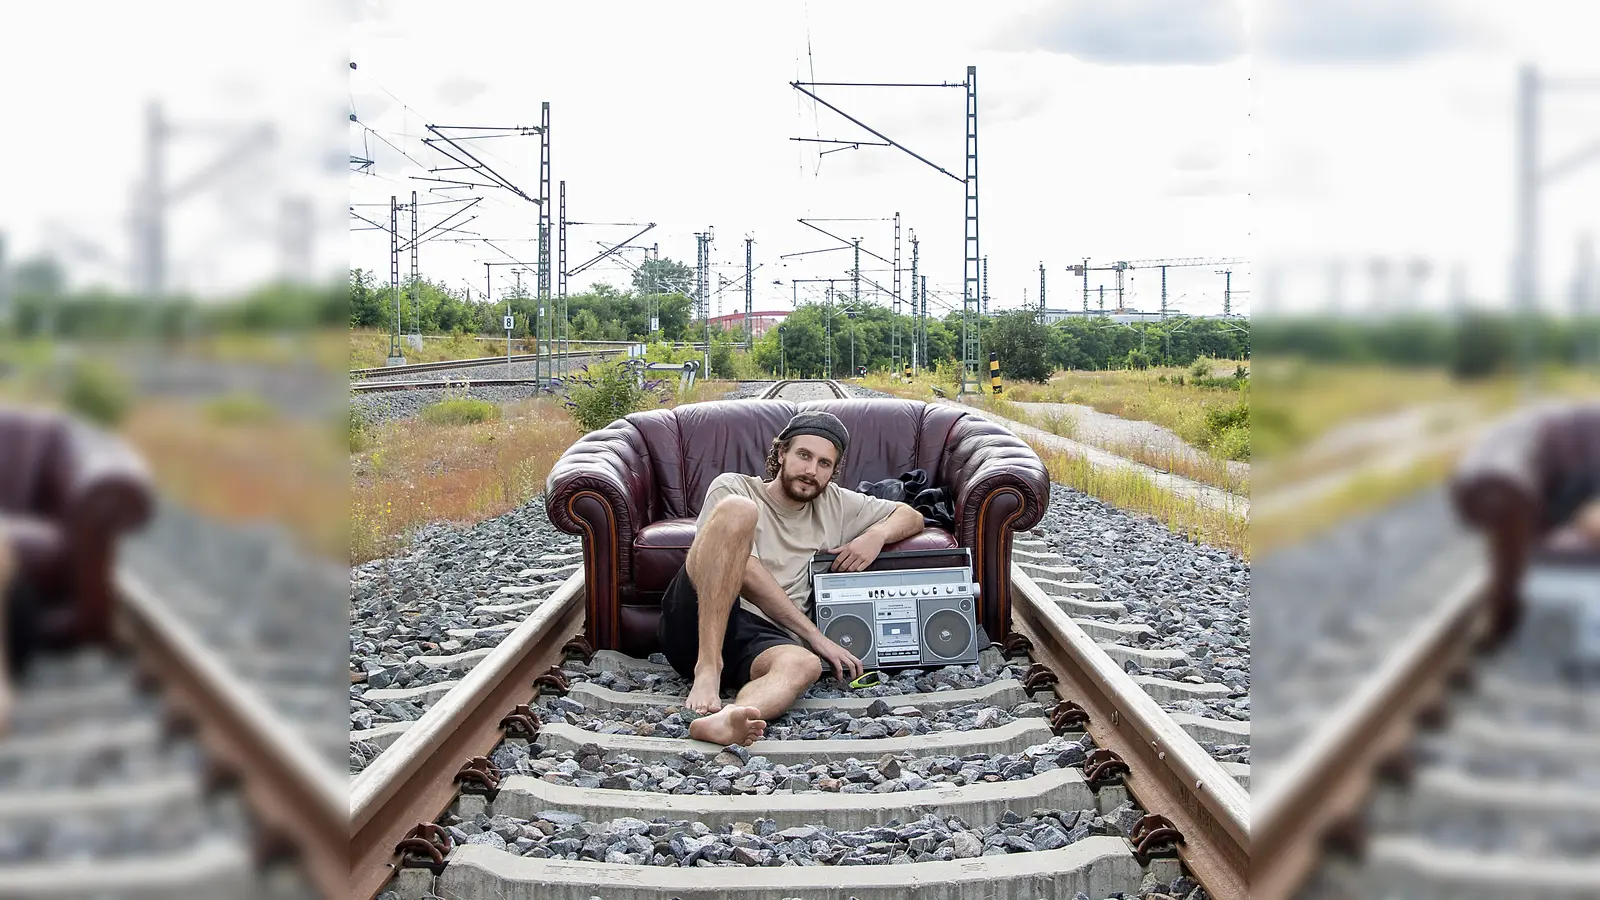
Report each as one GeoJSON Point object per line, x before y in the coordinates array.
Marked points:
{"type": "Point", "coordinates": [1468, 344]}
{"type": "Point", "coordinates": [1027, 349]}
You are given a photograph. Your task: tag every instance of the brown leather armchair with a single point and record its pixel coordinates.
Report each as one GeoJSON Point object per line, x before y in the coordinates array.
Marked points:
{"type": "Point", "coordinates": [633, 490]}
{"type": "Point", "coordinates": [1521, 484]}
{"type": "Point", "coordinates": [67, 491]}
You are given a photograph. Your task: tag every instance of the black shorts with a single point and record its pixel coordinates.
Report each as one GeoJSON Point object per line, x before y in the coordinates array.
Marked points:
{"type": "Point", "coordinates": [21, 612]}
{"type": "Point", "coordinates": [679, 633]}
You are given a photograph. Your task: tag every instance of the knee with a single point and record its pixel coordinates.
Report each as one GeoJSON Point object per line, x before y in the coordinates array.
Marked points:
{"type": "Point", "coordinates": [799, 666]}
{"type": "Point", "coordinates": [736, 514]}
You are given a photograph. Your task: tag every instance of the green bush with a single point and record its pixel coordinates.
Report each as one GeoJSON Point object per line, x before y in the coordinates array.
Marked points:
{"type": "Point", "coordinates": [606, 392]}
{"type": "Point", "coordinates": [95, 394]}
{"type": "Point", "coordinates": [1232, 443]}
{"type": "Point", "coordinates": [721, 360]}
{"type": "Point", "coordinates": [1200, 369]}
{"type": "Point", "coordinates": [1137, 359]}
{"type": "Point", "coordinates": [663, 353]}
{"type": "Point", "coordinates": [1228, 428]}
{"type": "Point", "coordinates": [359, 431]}
{"type": "Point", "coordinates": [460, 411]}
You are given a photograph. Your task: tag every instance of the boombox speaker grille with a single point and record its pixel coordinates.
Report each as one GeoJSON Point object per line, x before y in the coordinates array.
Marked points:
{"type": "Point", "coordinates": [946, 634]}
{"type": "Point", "coordinates": [850, 632]}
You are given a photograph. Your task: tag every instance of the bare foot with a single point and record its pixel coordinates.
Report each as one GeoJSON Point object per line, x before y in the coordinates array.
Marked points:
{"type": "Point", "coordinates": [706, 695]}
{"type": "Point", "coordinates": [731, 725]}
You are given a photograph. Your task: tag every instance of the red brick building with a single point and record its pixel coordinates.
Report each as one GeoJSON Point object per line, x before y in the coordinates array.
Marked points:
{"type": "Point", "coordinates": [760, 321]}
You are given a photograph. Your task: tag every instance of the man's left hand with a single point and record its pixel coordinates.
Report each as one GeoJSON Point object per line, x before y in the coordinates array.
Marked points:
{"type": "Point", "coordinates": [858, 554]}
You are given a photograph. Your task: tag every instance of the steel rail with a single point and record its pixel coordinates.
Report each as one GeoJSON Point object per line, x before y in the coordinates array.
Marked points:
{"type": "Point", "coordinates": [413, 781]}
{"type": "Point", "coordinates": [378, 387]}
{"type": "Point", "coordinates": [1169, 774]}
{"type": "Point", "coordinates": [1327, 776]}
{"type": "Point", "coordinates": [447, 364]}
{"type": "Point", "coordinates": [297, 796]}
{"type": "Point", "coordinates": [777, 388]}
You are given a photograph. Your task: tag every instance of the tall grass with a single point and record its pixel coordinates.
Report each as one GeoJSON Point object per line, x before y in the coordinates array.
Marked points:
{"type": "Point", "coordinates": [1363, 493]}
{"type": "Point", "coordinates": [1133, 492]}
{"type": "Point", "coordinates": [416, 472]}
{"type": "Point", "coordinates": [1213, 416]}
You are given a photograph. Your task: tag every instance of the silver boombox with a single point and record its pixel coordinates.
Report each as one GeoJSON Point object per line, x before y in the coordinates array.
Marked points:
{"type": "Point", "coordinates": [898, 617]}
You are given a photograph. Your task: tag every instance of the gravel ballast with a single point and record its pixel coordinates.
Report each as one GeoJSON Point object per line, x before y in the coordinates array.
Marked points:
{"type": "Point", "coordinates": [682, 843]}
{"type": "Point", "coordinates": [735, 770]}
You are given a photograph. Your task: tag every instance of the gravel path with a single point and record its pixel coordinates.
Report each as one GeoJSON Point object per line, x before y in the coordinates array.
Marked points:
{"type": "Point", "coordinates": [1095, 427]}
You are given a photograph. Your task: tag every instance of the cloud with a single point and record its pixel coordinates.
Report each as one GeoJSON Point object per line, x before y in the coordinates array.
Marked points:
{"type": "Point", "coordinates": [459, 90]}
{"type": "Point", "coordinates": [1132, 32]}
{"type": "Point", "coordinates": [1362, 31]}
{"type": "Point", "coordinates": [1194, 184]}
{"type": "Point", "coordinates": [1199, 157]}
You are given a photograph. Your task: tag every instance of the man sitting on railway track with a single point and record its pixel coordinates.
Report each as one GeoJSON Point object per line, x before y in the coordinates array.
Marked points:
{"type": "Point", "coordinates": [753, 543]}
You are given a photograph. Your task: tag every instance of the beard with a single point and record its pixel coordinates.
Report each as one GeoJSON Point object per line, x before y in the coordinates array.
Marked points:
{"type": "Point", "coordinates": [800, 489]}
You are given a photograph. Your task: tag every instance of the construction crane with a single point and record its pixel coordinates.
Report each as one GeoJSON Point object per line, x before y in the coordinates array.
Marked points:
{"type": "Point", "coordinates": [1163, 264]}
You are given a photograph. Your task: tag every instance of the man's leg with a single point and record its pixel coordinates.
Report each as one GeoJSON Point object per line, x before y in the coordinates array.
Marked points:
{"type": "Point", "coordinates": [778, 676]}
{"type": "Point", "coordinates": [716, 568]}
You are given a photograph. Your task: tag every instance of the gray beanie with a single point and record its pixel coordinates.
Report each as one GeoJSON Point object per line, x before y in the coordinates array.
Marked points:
{"type": "Point", "coordinates": [822, 424]}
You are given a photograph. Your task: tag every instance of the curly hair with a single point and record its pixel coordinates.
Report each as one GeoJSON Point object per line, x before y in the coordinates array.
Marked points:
{"type": "Point", "coordinates": [775, 458]}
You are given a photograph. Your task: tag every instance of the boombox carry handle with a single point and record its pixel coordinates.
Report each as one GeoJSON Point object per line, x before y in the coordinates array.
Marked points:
{"type": "Point", "coordinates": [820, 561]}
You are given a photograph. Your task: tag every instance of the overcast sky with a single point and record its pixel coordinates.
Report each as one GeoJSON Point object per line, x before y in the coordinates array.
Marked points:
{"type": "Point", "coordinates": [1130, 130]}
{"type": "Point", "coordinates": [77, 78]}
{"type": "Point", "coordinates": [1109, 137]}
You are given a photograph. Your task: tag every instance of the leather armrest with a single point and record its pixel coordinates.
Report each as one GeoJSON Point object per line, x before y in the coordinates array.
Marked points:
{"type": "Point", "coordinates": [101, 483]}
{"type": "Point", "coordinates": [1000, 486]}
{"type": "Point", "coordinates": [601, 488]}
{"type": "Point", "coordinates": [1498, 477]}
{"type": "Point", "coordinates": [1497, 488]}
{"type": "Point", "coordinates": [982, 458]}
{"type": "Point", "coordinates": [98, 489]}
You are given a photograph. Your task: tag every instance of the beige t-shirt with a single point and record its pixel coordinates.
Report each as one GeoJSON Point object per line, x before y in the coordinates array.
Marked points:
{"type": "Point", "coordinates": [785, 540]}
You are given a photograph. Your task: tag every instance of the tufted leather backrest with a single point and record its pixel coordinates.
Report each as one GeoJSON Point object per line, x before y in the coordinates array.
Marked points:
{"type": "Point", "coordinates": [693, 444]}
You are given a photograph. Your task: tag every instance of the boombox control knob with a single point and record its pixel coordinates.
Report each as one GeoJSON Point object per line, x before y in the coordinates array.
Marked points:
{"type": "Point", "coordinates": [974, 589]}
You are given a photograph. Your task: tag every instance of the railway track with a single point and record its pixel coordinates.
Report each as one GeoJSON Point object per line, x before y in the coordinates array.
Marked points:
{"type": "Point", "coordinates": [537, 768]}
{"type": "Point", "coordinates": [452, 365]}
{"type": "Point", "coordinates": [373, 387]}
{"type": "Point", "coordinates": [1447, 773]}
{"type": "Point", "coordinates": [169, 777]}
{"type": "Point", "coordinates": [798, 390]}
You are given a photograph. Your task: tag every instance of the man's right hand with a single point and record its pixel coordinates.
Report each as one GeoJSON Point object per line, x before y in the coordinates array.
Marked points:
{"type": "Point", "coordinates": [844, 662]}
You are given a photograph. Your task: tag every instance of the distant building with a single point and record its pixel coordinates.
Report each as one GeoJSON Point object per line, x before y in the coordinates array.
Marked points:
{"type": "Point", "coordinates": [759, 321]}
{"type": "Point", "coordinates": [1123, 316]}
{"type": "Point", "coordinates": [1120, 316]}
